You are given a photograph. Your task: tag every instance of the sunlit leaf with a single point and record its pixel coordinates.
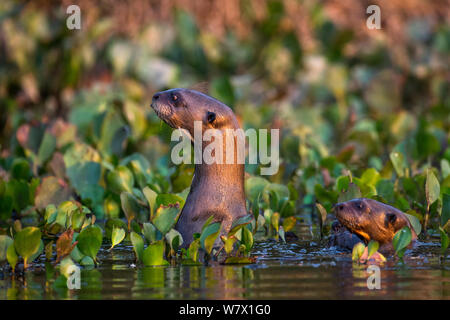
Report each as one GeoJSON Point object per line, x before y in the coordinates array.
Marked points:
{"type": "Point", "coordinates": [27, 242]}
{"type": "Point", "coordinates": [118, 234]}
{"type": "Point", "coordinates": [90, 240]}
{"type": "Point", "coordinates": [153, 255]}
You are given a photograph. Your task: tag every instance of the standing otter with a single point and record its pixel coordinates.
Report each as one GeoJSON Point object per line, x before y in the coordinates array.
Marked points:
{"type": "Point", "coordinates": [369, 220]}
{"type": "Point", "coordinates": [216, 189]}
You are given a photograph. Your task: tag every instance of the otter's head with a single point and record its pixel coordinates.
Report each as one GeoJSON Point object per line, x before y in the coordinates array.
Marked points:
{"type": "Point", "coordinates": [371, 220]}
{"type": "Point", "coordinates": [179, 108]}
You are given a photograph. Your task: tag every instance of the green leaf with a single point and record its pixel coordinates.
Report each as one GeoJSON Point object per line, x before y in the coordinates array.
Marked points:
{"type": "Point", "coordinates": [12, 257]}
{"type": "Point", "coordinates": [90, 241]}
{"type": "Point", "coordinates": [445, 214]}
{"type": "Point", "coordinates": [398, 162]}
{"type": "Point", "coordinates": [138, 245]}
{"type": "Point", "coordinates": [166, 217]}
{"type": "Point", "coordinates": [52, 190]}
{"type": "Point", "coordinates": [372, 247]}
{"type": "Point", "coordinates": [120, 180]}
{"type": "Point", "coordinates": [358, 251]}
{"type": "Point", "coordinates": [275, 221]}
{"type": "Point", "coordinates": [154, 254]}
{"type": "Point", "coordinates": [254, 186]}
{"type": "Point", "coordinates": [130, 206]}
{"type": "Point", "coordinates": [46, 148]}
{"type": "Point", "coordinates": [20, 169]}
{"type": "Point", "coordinates": [174, 239]}
{"type": "Point", "coordinates": [401, 240]}
{"type": "Point", "coordinates": [322, 214]}
{"type": "Point", "coordinates": [27, 243]}
{"type": "Point", "coordinates": [193, 250]}
{"type": "Point", "coordinates": [209, 236]}
{"type": "Point", "coordinates": [353, 192]}
{"type": "Point", "coordinates": [432, 188]}
{"type": "Point", "coordinates": [239, 223]}
{"type": "Point", "coordinates": [150, 195]}
{"type": "Point", "coordinates": [166, 199]}
{"type": "Point", "coordinates": [415, 223]}
{"type": "Point", "coordinates": [370, 177]}
{"type": "Point", "coordinates": [5, 242]}
{"type": "Point", "coordinates": [289, 223]}
{"type": "Point", "coordinates": [118, 234]}
{"type": "Point", "coordinates": [228, 243]}
{"type": "Point", "coordinates": [247, 238]}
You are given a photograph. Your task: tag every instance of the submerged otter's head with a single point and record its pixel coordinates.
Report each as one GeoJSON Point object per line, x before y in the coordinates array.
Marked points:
{"type": "Point", "coordinates": [372, 220]}
{"type": "Point", "coordinates": [179, 108]}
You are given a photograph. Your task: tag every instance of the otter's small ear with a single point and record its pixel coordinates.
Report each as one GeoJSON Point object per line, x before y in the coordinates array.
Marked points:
{"type": "Point", "coordinates": [210, 117]}
{"type": "Point", "coordinates": [391, 217]}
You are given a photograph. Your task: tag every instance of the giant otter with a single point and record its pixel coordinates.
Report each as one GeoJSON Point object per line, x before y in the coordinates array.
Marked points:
{"type": "Point", "coordinates": [367, 219]}
{"type": "Point", "coordinates": [216, 189]}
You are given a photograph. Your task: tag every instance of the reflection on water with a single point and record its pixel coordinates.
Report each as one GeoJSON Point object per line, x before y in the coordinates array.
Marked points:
{"type": "Point", "coordinates": [301, 270]}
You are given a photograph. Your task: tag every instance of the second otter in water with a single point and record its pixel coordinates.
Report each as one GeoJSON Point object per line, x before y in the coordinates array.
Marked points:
{"type": "Point", "coordinates": [217, 189]}
{"type": "Point", "coordinates": [369, 220]}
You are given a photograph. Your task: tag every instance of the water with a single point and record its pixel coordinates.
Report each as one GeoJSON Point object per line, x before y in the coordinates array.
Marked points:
{"type": "Point", "coordinates": [299, 270]}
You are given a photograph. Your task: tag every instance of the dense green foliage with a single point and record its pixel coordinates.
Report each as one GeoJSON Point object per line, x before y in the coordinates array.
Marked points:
{"type": "Point", "coordinates": [82, 152]}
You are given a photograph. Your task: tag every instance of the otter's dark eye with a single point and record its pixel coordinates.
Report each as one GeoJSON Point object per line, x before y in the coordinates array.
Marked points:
{"type": "Point", "coordinates": [359, 205]}
{"type": "Point", "coordinates": [174, 97]}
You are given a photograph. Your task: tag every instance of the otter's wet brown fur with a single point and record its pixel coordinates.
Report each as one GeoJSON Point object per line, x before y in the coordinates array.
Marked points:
{"type": "Point", "coordinates": [371, 220]}
{"type": "Point", "coordinates": [216, 189]}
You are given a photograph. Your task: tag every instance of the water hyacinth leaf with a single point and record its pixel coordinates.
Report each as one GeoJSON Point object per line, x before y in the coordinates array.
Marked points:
{"type": "Point", "coordinates": [415, 223]}
{"type": "Point", "coordinates": [358, 250]}
{"type": "Point", "coordinates": [77, 220]}
{"type": "Point", "coordinates": [239, 223]}
{"type": "Point", "coordinates": [289, 223]}
{"type": "Point", "coordinates": [65, 245]}
{"type": "Point", "coordinates": [150, 195]}
{"type": "Point", "coordinates": [111, 224]}
{"type": "Point", "coordinates": [342, 183]}
{"type": "Point", "coordinates": [46, 148]}
{"type": "Point", "coordinates": [49, 250]}
{"type": "Point", "coordinates": [12, 257]}
{"type": "Point", "coordinates": [165, 199]}
{"type": "Point", "coordinates": [193, 250]}
{"type": "Point", "coordinates": [87, 261]}
{"type": "Point", "coordinates": [352, 192]}
{"type": "Point", "coordinates": [275, 221]}
{"type": "Point", "coordinates": [118, 234]}
{"type": "Point", "coordinates": [52, 190]}
{"type": "Point", "coordinates": [254, 186]}
{"type": "Point", "coordinates": [149, 231]}
{"type": "Point", "coordinates": [27, 243]}
{"type": "Point", "coordinates": [281, 233]}
{"type": "Point", "coordinates": [138, 245]}
{"type": "Point", "coordinates": [398, 162]}
{"type": "Point", "coordinates": [76, 254]}
{"type": "Point", "coordinates": [90, 241]}
{"type": "Point", "coordinates": [129, 206]}
{"type": "Point", "coordinates": [111, 208]}
{"type": "Point", "coordinates": [174, 239]}
{"type": "Point", "coordinates": [445, 213]}
{"type": "Point", "coordinates": [228, 243]}
{"type": "Point", "coordinates": [372, 247]}
{"type": "Point", "coordinates": [120, 180]}
{"type": "Point", "coordinates": [370, 177]}
{"type": "Point", "coordinates": [166, 217]}
{"type": "Point", "coordinates": [5, 242]}
{"type": "Point", "coordinates": [247, 238]}
{"type": "Point", "coordinates": [20, 169]}
{"type": "Point", "coordinates": [432, 188]}
{"type": "Point", "coordinates": [209, 236]}
{"type": "Point", "coordinates": [322, 214]}
{"type": "Point", "coordinates": [50, 214]}
{"type": "Point", "coordinates": [401, 240]}
{"type": "Point", "coordinates": [154, 254]}
{"type": "Point", "coordinates": [444, 240]}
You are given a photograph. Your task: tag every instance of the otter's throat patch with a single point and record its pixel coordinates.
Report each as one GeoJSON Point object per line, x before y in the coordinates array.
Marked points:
{"type": "Point", "coordinates": [363, 234]}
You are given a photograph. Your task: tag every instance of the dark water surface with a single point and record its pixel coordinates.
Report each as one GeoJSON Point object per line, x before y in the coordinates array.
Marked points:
{"type": "Point", "coordinates": [298, 270]}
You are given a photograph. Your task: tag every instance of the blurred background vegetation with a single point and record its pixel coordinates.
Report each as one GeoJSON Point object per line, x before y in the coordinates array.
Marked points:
{"type": "Point", "coordinates": [370, 107]}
